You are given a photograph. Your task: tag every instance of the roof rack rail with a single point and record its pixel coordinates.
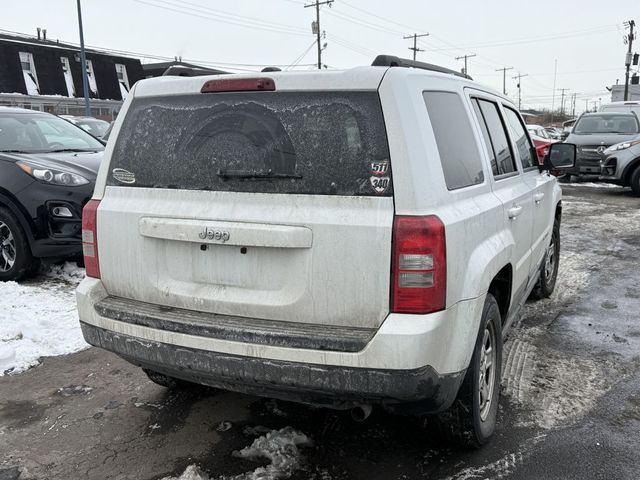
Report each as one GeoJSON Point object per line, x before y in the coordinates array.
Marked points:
{"type": "Point", "coordinates": [393, 61]}
{"type": "Point", "coordinates": [179, 71]}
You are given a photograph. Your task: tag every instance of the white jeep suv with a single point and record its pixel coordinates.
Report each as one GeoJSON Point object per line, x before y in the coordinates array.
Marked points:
{"type": "Point", "coordinates": [339, 238]}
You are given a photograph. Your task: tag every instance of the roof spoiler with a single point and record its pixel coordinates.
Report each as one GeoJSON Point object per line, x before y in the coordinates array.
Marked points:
{"type": "Point", "coordinates": [393, 61]}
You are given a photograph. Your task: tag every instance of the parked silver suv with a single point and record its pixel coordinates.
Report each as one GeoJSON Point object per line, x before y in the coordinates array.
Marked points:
{"type": "Point", "coordinates": [621, 164]}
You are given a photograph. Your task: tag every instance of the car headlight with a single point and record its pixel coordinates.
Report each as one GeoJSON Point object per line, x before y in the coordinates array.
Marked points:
{"type": "Point", "coordinates": [52, 176]}
{"type": "Point", "coordinates": [623, 146]}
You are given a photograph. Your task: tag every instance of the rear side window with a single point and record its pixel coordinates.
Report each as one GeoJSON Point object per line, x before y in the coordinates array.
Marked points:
{"type": "Point", "coordinates": [519, 136]}
{"type": "Point", "coordinates": [486, 136]}
{"type": "Point", "coordinates": [498, 134]}
{"type": "Point", "coordinates": [327, 143]}
{"type": "Point", "coordinates": [461, 162]}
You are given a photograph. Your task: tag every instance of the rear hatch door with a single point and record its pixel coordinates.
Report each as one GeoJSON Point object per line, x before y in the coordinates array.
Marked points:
{"type": "Point", "coordinates": [274, 205]}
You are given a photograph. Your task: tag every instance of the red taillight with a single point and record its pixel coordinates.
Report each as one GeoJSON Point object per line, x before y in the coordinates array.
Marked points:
{"type": "Point", "coordinates": [418, 265]}
{"type": "Point", "coordinates": [239, 85]}
{"type": "Point", "coordinates": [90, 238]}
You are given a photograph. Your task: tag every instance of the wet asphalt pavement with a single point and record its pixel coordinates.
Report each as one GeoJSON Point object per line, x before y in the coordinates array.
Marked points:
{"type": "Point", "coordinates": [570, 406]}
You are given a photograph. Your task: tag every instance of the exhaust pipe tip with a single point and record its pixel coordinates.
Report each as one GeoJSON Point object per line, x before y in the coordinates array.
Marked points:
{"type": "Point", "coordinates": [360, 413]}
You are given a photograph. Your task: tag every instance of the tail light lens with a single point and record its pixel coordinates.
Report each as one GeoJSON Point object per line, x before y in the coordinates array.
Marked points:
{"type": "Point", "coordinates": [418, 265]}
{"type": "Point", "coordinates": [90, 239]}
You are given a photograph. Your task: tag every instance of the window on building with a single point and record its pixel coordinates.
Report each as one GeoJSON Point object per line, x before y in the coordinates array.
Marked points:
{"type": "Point", "coordinates": [92, 78]}
{"type": "Point", "coordinates": [459, 154]}
{"type": "Point", "coordinates": [123, 80]}
{"type": "Point", "coordinates": [68, 78]}
{"type": "Point", "coordinates": [29, 73]}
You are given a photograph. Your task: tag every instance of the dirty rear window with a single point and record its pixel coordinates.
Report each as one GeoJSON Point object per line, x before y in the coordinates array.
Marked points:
{"type": "Point", "coordinates": [327, 143]}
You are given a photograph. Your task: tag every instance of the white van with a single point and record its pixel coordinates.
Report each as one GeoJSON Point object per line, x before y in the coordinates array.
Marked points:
{"type": "Point", "coordinates": [626, 107]}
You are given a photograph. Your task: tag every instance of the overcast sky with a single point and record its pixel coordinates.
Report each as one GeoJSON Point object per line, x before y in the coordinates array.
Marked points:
{"type": "Point", "coordinates": [585, 37]}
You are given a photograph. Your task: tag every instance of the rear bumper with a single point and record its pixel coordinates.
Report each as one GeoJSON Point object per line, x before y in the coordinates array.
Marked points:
{"type": "Point", "coordinates": [417, 361]}
{"type": "Point", "coordinates": [417, 391]}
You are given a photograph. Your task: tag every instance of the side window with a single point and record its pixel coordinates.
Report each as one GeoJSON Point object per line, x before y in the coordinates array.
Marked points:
{"type": "Point", "coordinates": [461, 162]}
{"type": "Point", "coordinates": [498, 134]}
{"type": "Point", "coordinates": [487, 138]}
{"type": "Point", "coordinates": [519, 136]}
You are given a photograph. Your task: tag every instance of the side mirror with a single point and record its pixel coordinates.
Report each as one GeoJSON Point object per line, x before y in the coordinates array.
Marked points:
{"type": "Point", "coordinates": [561, 156]}
{"type": "Point", "coordinates": [564, 135]}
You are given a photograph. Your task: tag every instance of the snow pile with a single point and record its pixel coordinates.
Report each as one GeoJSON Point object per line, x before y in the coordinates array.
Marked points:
{"type": "Point", "coordinates": [279, 446]}
{"type": "Point", "coordinates": [591, 185]}
{"type": "Point", "coordinates": [68, 272]}
{"type": "Point", "coordinates": [38, 318]}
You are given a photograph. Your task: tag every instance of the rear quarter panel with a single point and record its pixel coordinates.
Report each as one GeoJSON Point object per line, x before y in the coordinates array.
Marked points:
{"type": "Point", "coordinates": [478, 242]}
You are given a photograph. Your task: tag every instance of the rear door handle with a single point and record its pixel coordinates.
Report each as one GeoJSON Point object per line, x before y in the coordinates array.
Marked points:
{"type": "Point", "coordinates": [538, 197]}
{"type": "Point", "coordinates": [514, 211]}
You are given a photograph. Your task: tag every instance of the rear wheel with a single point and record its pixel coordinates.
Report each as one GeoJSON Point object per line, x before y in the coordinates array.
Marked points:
{"type": "Point", "coordinates": [634, 182]}
{"type": "Point", "coordinates": [549, 268]}
{"type": "Point", "coordinates": [16, 261]}
{"type": "Point", "coordinates": [471, 420]}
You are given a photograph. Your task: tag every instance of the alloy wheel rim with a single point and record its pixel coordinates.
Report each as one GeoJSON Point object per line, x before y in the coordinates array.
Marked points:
{"type": "Point", "coordinates": [7, 248]}
{"type": "Point", "coordinates": [487, 377]}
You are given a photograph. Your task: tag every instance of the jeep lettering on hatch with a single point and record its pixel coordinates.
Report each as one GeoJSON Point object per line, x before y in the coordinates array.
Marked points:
{"type": "Point", "coordinates": [214, 234]}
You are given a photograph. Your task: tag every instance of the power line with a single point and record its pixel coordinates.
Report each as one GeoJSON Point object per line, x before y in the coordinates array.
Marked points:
{"type": "Point", "coordinates": [523, 40]}
{"type": "Point", "coordinates": [415, 39]}
{"type": "Point", "coordinates": [299, 58]}
{"type": "Point", "coordinates": [203, 13]}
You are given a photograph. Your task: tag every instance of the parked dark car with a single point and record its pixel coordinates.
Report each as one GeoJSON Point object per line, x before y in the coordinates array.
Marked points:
{"type": "Point", "coordinates": [48, 168]}
{"type": "Point", "coordinates": [593, 133]}
{"type": "Point", "coordinates": [96, 127]}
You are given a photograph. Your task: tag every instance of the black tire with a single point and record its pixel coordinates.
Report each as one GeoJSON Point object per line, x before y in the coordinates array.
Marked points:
{"type": "Point", "coordinates": [634, 181]}
{"type": "Point", "coordinates": [16, 260]}
{"type": "Point", "coordinates": [565, 178]}
{"type": "Point", "coordinates": [166, 381]}
{"type": "Point", "coordinates": [549, 269]}
{"type": "Point", "coordinates": [471, 420]}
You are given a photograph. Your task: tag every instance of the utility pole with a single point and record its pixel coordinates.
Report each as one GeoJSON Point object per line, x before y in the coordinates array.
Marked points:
{"type": "Point", "coordinates": [317, 26]}
{"type": "Point", "coordinates": [466, 71]}
{"type": "Point", "coordinates": [83, 65]}
{"type": "Point", "coordinates": [573, 105]}
{"type": "Point", "coordinates": [627, 61]}
{"type": "Point", "coordinates": [519, 76]}
{"type": "Point", "coordinates": [586, 105]}
{"type": "Point", "coordinates": [415, 37]}
{"type": "Point", "coordinates": [562, 101]}
{"type": "Point", "coordinates": [504, 77]}
{"type": "Point", "coordinates": [553, 92]}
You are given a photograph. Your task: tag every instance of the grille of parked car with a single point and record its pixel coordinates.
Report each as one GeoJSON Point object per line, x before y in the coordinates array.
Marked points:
{"type": "Point", "coordinates": [591, 152]}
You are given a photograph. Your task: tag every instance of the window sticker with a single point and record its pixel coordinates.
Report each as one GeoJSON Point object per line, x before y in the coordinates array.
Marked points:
{"type": "Point", "coordinates": [380, 184]}
{"type": "Point", "coordinates": [380, 168]}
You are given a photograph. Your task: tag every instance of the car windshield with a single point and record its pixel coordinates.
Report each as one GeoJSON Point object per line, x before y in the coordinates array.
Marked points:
{"type": "Point", "coordinates": [96, 127]}
{"type": "Point", "coordinates": [39, 133]}
{"type": "Point", "coordinates": [622, 124]}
